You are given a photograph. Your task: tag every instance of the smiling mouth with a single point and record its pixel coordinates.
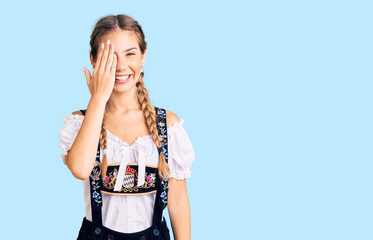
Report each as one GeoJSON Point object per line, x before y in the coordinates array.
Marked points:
{"type": "Point", "coordinates": [123, 79]}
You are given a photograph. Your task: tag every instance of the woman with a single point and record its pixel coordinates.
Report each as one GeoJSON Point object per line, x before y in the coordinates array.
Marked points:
{"type": "Point", "coordinates": [126, 186]}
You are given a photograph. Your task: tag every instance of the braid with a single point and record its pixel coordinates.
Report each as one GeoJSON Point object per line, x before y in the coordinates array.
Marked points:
{"type": "Point", "coordinates": [103, 143]}
{"type": "Point", "coordinates": [150, 119]}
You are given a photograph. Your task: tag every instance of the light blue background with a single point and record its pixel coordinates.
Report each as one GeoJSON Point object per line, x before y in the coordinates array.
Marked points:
{"type": "Point", "coordinates": [276, 98]}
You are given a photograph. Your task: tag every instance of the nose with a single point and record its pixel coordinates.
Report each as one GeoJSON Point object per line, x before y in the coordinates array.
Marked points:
{"type": "Point", "coordinates": [121, 64]}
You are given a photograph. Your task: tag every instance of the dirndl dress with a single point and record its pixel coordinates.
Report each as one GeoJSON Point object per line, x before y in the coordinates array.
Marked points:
{"type": "Point", "coordinates": [158, 230]}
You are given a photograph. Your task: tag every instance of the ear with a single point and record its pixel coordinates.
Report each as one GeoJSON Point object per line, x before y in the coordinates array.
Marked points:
{"type": "Point", "coordinates": [92, 60]}
{"type": "Point", "coordinates": [143, 58]}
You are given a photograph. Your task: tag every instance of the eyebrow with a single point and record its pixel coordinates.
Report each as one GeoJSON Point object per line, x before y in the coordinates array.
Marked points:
{"type": "Point", "coordinates": [129, 49]}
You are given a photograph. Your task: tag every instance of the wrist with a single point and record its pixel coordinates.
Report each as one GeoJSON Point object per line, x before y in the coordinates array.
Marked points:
{"type": "Point", "coordinates": [97, 101]}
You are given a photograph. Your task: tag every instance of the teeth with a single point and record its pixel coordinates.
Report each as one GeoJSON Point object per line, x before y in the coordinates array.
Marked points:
{"type": "Point", "coordinates": [122, 77]}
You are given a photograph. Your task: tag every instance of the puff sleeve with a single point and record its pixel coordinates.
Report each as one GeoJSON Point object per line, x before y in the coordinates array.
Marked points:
{"type": "Point", "coordinates": [180, 151]}
{"type": "Point", "coordinates": [68, 133]}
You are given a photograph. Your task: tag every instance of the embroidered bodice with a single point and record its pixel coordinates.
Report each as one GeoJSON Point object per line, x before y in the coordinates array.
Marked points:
{"type": "Point", "coordinates": [131, 213]}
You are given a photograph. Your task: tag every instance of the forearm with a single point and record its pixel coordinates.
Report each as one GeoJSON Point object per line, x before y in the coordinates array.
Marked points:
{"type": "Point", "coordinates": [82, 154]}
{"type": "Point", "coordinates": [179, 212]}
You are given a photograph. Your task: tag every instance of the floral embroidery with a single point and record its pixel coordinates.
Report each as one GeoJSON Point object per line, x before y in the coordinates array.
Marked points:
{"type": "Point", "coordinates": [150, 178]}
{"type": "Point", "coordinates": [161, 112]}
{"type": "Point", "coordinates": [96, 195]}
{"type": "Point", "coordinates": [164, 196]}
{"type": "Point", "coordinates": [163, 137]}
{"type": "Point", "coordinates": [164, 193]}
{"type": "Point", "coordinates": [96, 171]}
{"type": "Point", "coordinates": [165, 151]}
{"type": "Point", "coordinates": [106, 179]}
{"type": "Point", "coordinates": [95, 183]}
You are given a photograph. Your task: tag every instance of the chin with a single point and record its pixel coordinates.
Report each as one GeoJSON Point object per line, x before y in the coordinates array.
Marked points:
{"type": "Point", "coordinates": [121, 88]}
{"type": "Point", "coordinates": [124, 87]}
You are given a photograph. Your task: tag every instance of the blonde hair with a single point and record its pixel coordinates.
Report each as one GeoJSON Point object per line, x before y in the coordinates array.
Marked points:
{"type": "Point", "coordinates": [124, 22]}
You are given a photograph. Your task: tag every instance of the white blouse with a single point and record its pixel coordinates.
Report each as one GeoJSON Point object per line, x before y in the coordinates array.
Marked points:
{"type": "Point", "coordinates": [131, 213]}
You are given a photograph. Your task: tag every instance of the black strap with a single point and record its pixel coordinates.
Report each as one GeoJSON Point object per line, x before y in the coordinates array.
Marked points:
{"type": "Point", "coordinates": [95, 183]}
{"type": "Point", "coordinates": [162, 131]}
{"type": "Point", "coordinates": [83, 111]}
{"type": "Point", "coordinates": [162, 185]}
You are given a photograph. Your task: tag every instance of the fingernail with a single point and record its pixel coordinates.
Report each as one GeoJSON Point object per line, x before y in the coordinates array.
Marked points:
{"type": "Point", "coordinates": [82, 69]}
{"type": "Point", "coordinates": [108, 41]}
{"type": "Point", "coordinates": [103, 45]}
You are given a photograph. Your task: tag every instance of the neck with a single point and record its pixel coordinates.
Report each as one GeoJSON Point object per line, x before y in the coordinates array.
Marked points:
{"type": "Point", "coordinates": [123, 102]}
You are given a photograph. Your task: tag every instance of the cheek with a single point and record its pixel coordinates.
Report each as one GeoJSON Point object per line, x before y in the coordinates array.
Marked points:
{"type": "Point", "coordinates": [135, 64]}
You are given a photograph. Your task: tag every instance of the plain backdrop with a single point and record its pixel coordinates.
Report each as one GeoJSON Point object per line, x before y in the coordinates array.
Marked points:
{"type": "Point", "coordinates": [276, 98]}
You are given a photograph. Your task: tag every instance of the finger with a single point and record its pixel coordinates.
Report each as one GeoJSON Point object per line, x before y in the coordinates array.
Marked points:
{"type": "Point", "coordinates": [99, 55]}
{"type": "Point", "coordinates": [110, 58]}
{"type": "Point", "coordinates": [104, 56]}
{"type": "Point", "coordinates": [113, 66]}
{"type": "Point", "coordinates": [87, 75]}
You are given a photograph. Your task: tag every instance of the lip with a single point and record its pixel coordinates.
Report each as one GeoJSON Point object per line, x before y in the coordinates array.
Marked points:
{"type": "Point", "coordinates": [121, 75]}
{"type": "Point", "coordinates": [123, 81]}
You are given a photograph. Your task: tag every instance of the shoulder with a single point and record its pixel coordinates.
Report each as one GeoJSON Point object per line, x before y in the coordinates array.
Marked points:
{"type": "Point", "coordinates": [77, 113]}
{"type": "Point", "coordinates": [171, 118]}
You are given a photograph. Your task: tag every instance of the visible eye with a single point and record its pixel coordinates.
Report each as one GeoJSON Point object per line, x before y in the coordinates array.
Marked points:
{"type": "Point", "coordinates": [130, 54]}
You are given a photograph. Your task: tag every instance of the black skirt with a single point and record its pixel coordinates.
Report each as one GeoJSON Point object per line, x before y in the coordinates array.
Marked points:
{"type": "Point", "coordinates": [86, 232]}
